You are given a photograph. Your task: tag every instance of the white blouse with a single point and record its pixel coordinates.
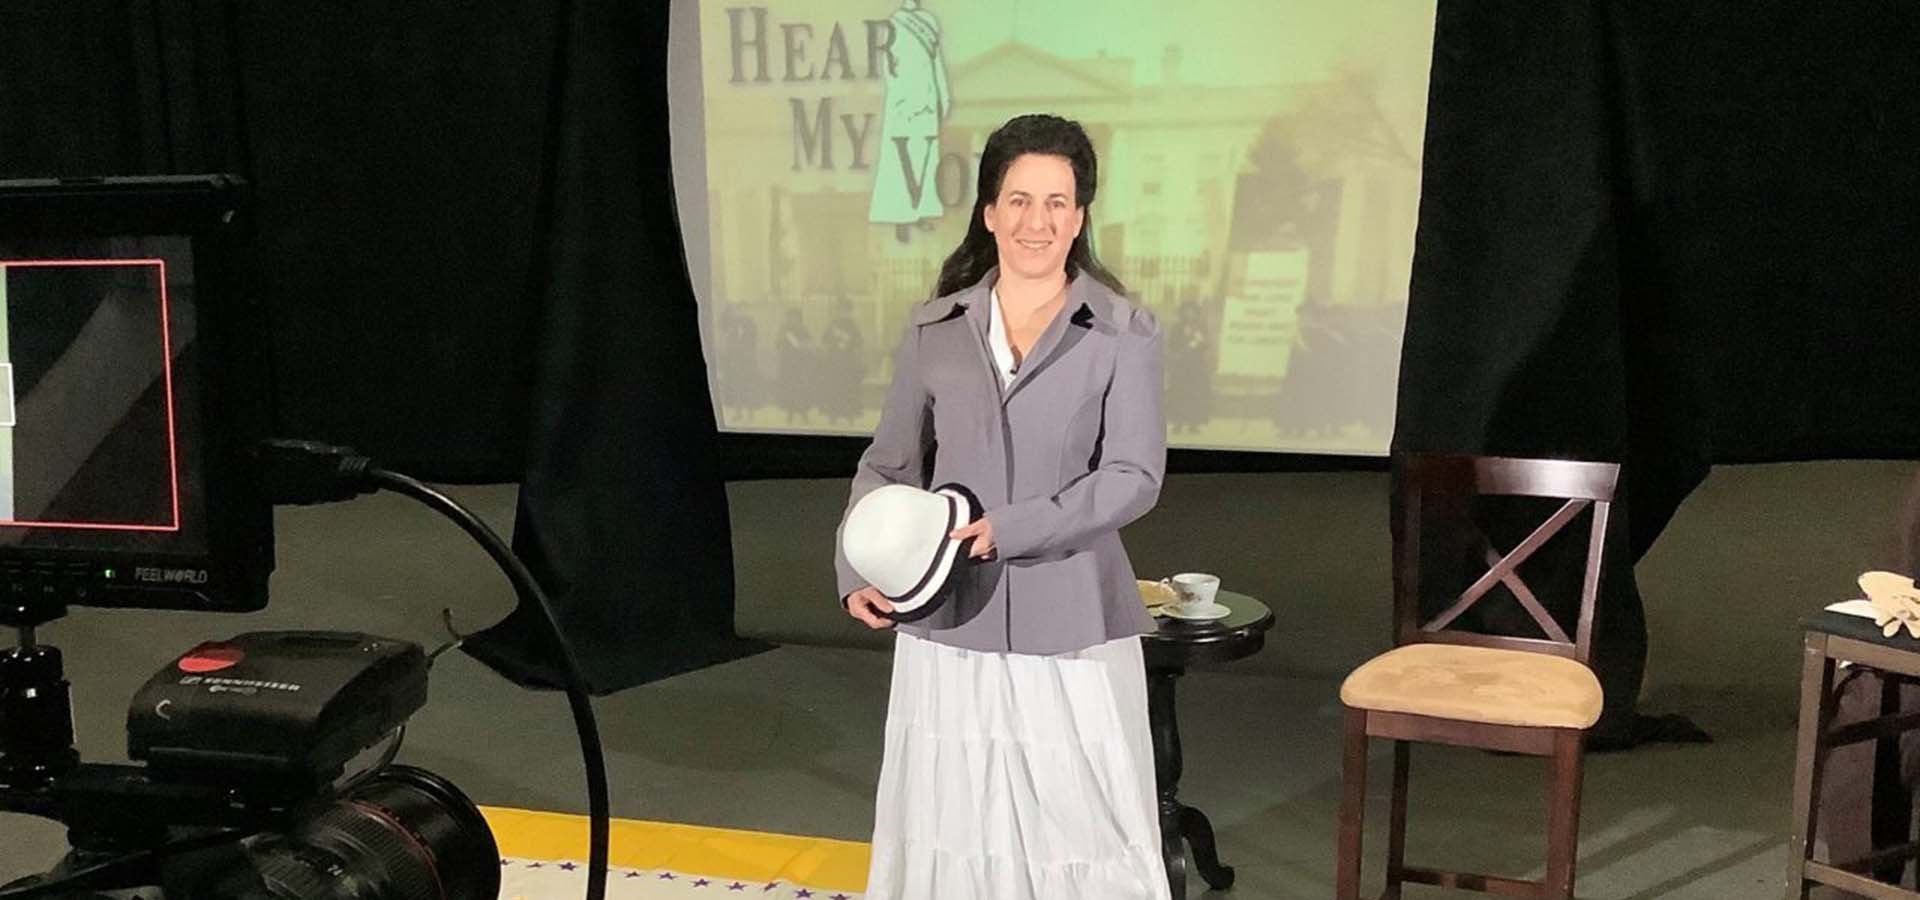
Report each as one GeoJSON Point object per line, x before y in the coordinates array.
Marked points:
{"type": "Point", "coordinates": [1003, 362]}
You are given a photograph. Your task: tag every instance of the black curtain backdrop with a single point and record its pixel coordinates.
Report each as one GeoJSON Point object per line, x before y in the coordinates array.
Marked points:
{"type": "Point", "coordinates": [394, 152]}
{"type": "Point", "coordinates": [1668, 235]}
{"type": "Point", "coordinates": [623, 512]}
{"type": "Point", "coordinates": [397, 149]}
{"type": "Point", "coordinates": [473, 269]}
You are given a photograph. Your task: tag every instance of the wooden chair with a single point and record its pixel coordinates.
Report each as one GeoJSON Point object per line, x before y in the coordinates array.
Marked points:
{"type": "Point", "coordinates": [1533, 696]}
{"type": "Point", "coordinates": [1830, 638]}
{"type": "Point", "coordinates": [1895, 660]}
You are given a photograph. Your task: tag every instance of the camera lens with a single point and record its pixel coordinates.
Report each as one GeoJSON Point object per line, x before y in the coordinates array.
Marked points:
{"type": "Point", "coordinates": [405, 833]}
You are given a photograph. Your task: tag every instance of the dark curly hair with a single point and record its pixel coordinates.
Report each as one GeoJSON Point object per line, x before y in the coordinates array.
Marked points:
{"type": "Point", "coordinates": [1049, 136]}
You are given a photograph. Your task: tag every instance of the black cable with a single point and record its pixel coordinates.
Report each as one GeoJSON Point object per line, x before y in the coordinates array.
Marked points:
{"type": "Point", "coordinates": [79, 877]}
{"type": "Point", "coordinates": [458, 639]}
{"type": "Point", "coordinates": [348, 785]}
{"type": "Point", "coordinates": [598, 811]}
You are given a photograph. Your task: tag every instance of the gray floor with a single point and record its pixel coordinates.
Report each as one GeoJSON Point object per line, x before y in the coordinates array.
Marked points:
{"type": "Point", "coordinates": [788, 741]}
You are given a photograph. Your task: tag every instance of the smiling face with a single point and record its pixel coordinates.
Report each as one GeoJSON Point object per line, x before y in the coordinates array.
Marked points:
{"type": "Point", "coordinates": [1035, 218]}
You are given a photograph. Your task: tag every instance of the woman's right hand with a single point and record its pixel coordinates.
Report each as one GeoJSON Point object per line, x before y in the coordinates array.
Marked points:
{"type": "Point", "coordinates": [867, 604]}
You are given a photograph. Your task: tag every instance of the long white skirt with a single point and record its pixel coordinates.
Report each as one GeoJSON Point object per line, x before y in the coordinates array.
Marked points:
{"type": "Point", "coordinates": [1017, 777]}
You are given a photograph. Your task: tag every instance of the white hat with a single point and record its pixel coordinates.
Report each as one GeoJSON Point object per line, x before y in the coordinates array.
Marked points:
{"type": "Point", "coordinates": [897, 538]}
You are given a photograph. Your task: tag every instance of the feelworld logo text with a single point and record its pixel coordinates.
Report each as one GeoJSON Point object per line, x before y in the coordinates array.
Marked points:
{"type": "Point", "coordinates": [156, 575]}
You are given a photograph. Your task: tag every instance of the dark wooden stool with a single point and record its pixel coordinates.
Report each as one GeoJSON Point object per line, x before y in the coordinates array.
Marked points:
{"type": "Point", "coordinates": [1169, 651]}
{"type": "Point", "coordinates": [1831, 638]}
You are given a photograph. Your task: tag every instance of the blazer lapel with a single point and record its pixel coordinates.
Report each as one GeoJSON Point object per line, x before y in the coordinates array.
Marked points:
{"type": "Point", "coordinates": [1067, 329]}
{"type": "Point", "coordinates": [972, 305]}
{"type": "Point", "coordinates": [979, 304]}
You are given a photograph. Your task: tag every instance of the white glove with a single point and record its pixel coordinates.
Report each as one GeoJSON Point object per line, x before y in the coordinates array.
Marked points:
{"type": "Point", "coordinates": [1896, 602]}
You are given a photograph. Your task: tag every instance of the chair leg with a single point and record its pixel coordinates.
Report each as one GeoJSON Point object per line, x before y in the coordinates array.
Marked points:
{"type": "Point", "coordinates": [1816, 689]}
{"type": "Point", "coordinates": [1353, 807]}
{"type": "Point", "coordinates": [1890, 806]}
{"type": "Point", "coordinates": [1563, 816]}
{"type": "Point", "coordinates": [1397, 822]}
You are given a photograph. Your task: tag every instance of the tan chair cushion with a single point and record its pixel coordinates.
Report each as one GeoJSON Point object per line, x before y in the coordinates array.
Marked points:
{"type": "Point", "coordinates": [1477, 684]}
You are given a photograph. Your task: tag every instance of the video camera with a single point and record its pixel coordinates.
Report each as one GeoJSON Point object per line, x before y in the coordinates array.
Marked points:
{"type": "Point", "coordinates": [133, 406]}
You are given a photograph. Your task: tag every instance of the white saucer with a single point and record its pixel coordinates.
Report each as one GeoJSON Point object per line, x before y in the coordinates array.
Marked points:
{"type": "Point", "coordinates": [1205, 613]}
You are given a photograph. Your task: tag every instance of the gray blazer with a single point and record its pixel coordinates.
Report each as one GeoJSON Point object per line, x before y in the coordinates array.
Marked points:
{"type": "Point", "coordinates": [1072, 451]}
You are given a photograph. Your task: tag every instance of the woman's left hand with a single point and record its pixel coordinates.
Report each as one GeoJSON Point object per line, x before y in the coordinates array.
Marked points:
{"type": "Point", "coordinates": [981, 530]}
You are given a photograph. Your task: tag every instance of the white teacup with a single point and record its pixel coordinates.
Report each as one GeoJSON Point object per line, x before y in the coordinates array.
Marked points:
{"type": "Point", "coordinates": [1193, 590]}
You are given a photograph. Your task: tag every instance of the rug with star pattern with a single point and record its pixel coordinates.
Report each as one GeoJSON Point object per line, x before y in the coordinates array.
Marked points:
{"type": "Point", "coordinates": [543, 857]}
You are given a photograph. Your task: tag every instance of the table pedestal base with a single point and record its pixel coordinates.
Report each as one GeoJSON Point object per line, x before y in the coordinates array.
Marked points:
{"type": "Point", "coordinates": [1181, 825]}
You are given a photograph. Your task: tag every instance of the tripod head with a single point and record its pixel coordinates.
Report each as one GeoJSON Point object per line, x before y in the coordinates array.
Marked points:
{"type": "Point", "coordinates": [36, 713]}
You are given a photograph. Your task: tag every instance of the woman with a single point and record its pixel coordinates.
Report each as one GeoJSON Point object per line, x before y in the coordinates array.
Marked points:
{"type": "Point", "coordinates": [1018, 763]}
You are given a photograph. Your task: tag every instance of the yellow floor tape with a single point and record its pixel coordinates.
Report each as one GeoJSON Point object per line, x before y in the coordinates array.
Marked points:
{"type": "Point", "coordinates": [750, 857]}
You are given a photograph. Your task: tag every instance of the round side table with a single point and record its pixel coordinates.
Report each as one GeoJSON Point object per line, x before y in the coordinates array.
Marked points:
{"type": "Point", "coordinates": [1178, 644]}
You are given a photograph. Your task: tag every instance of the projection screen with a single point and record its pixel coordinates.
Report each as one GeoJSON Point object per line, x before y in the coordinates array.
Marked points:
{"type": "Point", "coordinates": [1260, 179]}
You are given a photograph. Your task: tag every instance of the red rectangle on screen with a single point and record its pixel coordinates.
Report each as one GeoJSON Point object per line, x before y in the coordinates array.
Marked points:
{"type": "Point", "coordinates": [166, 369]}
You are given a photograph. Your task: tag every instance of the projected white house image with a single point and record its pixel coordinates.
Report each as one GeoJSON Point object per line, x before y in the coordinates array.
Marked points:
{"type": "Point", "coordinates": [827, 153]}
